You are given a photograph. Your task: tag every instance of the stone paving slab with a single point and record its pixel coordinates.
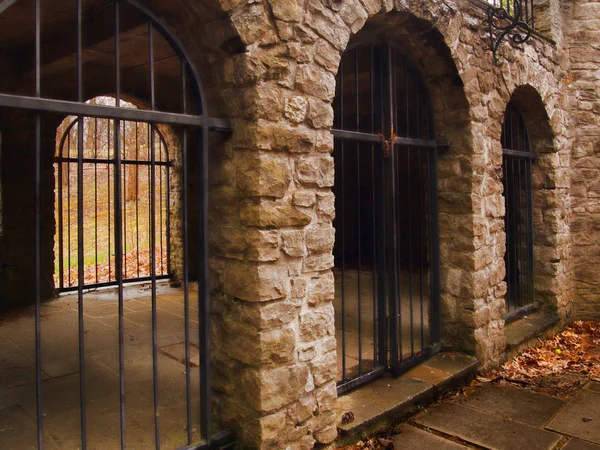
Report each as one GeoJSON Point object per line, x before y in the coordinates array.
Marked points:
{"type": "Point", "coordinates": [485, 429]}
{"type": "Point", "coordinates": [389, 396]}
{"type": "Point", "coordinates": [593, 386]}
{"type": "Point", "coordinates": [412, 438]}
{"type": "Point", "coordinates": [516, 404]}
{"type": "Point", "coordinates": [580, 417]}
{"type": "Point", "coordinates": [578, 444]}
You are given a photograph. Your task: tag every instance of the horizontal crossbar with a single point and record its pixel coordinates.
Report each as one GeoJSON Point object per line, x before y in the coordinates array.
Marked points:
{"type": "Point", "coordinates": [113, 112]}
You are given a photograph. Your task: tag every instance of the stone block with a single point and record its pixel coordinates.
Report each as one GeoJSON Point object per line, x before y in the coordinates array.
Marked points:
{"type": "Point", "coordinates": [316, 323]}
{"type": "Point", "coordinates": [255, 282]}
{"type": "Point", "coordinates": [317, 171]}
{"type": "Point", "coordinates": [268, 389]}
{"type": "Point", "coordinates": [324, 368]}
{"type": "Point", "coordinates": [321, 289]}
{"type": "Point", "coordinates": [272, 213]}
{"type": "Point", "coordinates": [304, 198]}
{"type": "Point", "coordinates": [293, 243]}
{"type": "Point", "coordinates": [262, 174]}
{"type": "Point", "coordinates": [320, 240]}
{"type": "Point", "coordinates": [318, 263]}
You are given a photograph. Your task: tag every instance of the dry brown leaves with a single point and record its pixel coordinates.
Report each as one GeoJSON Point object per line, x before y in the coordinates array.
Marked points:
{"type": "Point", "coordinates": [558, 365]}
{"type": "Point", "coordinates": [375, 443]}
{"type": "Point", "coordinates": [131, 268]}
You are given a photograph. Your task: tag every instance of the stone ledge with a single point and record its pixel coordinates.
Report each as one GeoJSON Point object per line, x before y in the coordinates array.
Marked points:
{"type": "Point", "coordinates": [390, 399]}
{"type": "Point", "coordinates": [523, 332]}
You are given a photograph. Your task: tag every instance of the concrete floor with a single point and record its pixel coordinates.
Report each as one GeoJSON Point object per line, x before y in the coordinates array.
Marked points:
{"type": "Point", "coordinates": [367, 321]}
{"type": "Point", "coordinates": [60, 370]}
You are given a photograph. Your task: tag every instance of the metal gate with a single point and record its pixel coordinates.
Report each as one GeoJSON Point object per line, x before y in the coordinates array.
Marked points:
{"type": "Point", "coordinates": [99, 171]}
{"type": "Point", "coordinates": [518, 193]}
{"type": "Point", "coordinates": [120, 27]}
{"type": "Point", "coordinates": [386, 251]}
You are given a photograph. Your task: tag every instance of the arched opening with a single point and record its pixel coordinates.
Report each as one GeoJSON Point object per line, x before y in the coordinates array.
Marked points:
{"type": "Point", "coordinates": [518, 194]}
{"type": "Point", "coordinates": [386, 250]}
{"type": "Point", "coordinates": [99, 202]}
{"type": "Point", "coordinates": [126, 367]}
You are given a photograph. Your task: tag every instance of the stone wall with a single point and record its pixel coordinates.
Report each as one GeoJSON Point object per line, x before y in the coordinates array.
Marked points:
{"type": "Point", "coordinates": [583, 36]}
{"type": "Point", "coordinates": [272, 205]}
{"type": "Point", "coordinates": [270, 66]}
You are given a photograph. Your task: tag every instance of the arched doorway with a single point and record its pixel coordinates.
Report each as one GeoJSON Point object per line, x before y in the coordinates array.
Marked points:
{"type": "Point", "coordinates": [98, 205]}
{"type": "Point", "coordinates": [518, 194]}
{"type": "Point", "coordinates": [94, 375]}
{"type": "Point", "coordinates": [386, 251]}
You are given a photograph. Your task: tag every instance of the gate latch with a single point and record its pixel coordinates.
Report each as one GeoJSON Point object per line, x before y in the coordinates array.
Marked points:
{"type": "Point", "coordinates": [389, 143]}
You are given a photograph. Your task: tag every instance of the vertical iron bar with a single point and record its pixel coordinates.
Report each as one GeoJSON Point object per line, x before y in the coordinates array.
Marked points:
{"type": "Point", "coordinates": [410, 261]}
{"type": "Point", "coordinates": [80, 240]}
{"type": "Point", "coordinates": [408, 193]}
{"type": "Point", "coordinates": [530, 245]}
{"type": "Point", "coordinates": [124, 198]}
{"type": "Point", "coordinates": [343, 225]}
{"type": "Point", "coordinates": [421, 217]}
{"type": "Point", "coordinates": [153, 237]}
{"type": "Point", "coordinates": [160, 203]}
{"type": "Point", "coordinates": [119, 226]}
{"type": "Point", "coordinates": [61, 242]}
{"type": "Point", "coordinates": [382, 301]}
{"type": "Point", "coordinates": [96, 196]}
{"type": "Point", "coordinates": [373, 278]}
{"type": "Point", "coordinates": [108, 165]}
{"type": "Point", "coordinates": [434, 293]}
{"type": "Point", "coordinates": [395, 335]}
{"type": "Point", "coordinates": [203, 290]}
{"type": "Point", "coordinates": [38, 231]}
{"type": "Point", "coordinates": [359, 218]}
{"type": "Point", "coordinates": [168, 210]}
{"type": "Point", "coordinates": [507, 231]}
{"type": "Point", "coordinates": [520, 232]}
{"type": "Point", "coordinates": [137, 198]}
{"type": "Point", "coordinates": [69, 210]}
{"type": "Point", "coordinates": [186, 302]}
{"type": "Point", "coordinates": [515, 259]}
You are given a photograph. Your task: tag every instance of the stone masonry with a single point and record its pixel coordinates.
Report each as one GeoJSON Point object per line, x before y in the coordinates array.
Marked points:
{"type": "Point", "coordinates": [270, 66]}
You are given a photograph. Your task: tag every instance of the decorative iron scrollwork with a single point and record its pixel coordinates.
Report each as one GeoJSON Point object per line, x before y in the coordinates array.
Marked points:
{"type": "Point", "coordinates": [506, 23]}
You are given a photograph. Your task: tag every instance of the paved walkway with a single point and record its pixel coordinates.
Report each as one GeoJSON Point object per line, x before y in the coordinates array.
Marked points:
{"type": "Point", "coordinates": [508, 418]}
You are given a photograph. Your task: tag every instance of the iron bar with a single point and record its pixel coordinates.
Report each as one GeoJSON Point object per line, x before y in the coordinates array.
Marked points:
{"type": "Point", "coordinates": [111, 112]}
{"type": "Point", "coordinates": [203, 288]}
{"type": "Point", "coordinates": [80, 230]}
{"type": "Point", "coordinates": [119, 226]}
{"type": "Point", "coordinates": [153, 239]}
{"type": "Point", "coordinates": [124, 162]}
{"type": "Point", "coordinates": [359, 217]}
{"type": "Point", "coordinates": [186, 298]}
{"type": "Point", "coordinates": [38, 230]}
{"type": "Point", "coordinates": [343, 227]}
{"type": "Point", "coordinates": [95, 198]}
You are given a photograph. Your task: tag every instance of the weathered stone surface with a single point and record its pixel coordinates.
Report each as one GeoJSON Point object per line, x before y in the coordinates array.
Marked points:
{"type": "Point", "coordinates": [256, 282]}
{"type": "Point", "coordinates": [318, 263]}
{"type": "Point", "coordinates": [304, 198]}
{"type": "Point", "coordinates": [270, 389]}
{"type": "Point", "coordinates": [315, 81]}
{"type": "Point", "coordinates": [317, 171]}
{"type": "Point", "coordinates": [293, 243]}
{"type": "Point", "coordinates": [270, 213]}
{"type": "Point", "coordinates": [316, 323]}
{"type": "Point", "coordinates": [295, 109]}
{"type": "Point", "coordinates": [322, 289]}
{"type": "Point", "coordinates": [320, 240]}
{"type": "Point", "coordinates": [326, 207]}
{"type": "Point", "coordinates": [263, 175]}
